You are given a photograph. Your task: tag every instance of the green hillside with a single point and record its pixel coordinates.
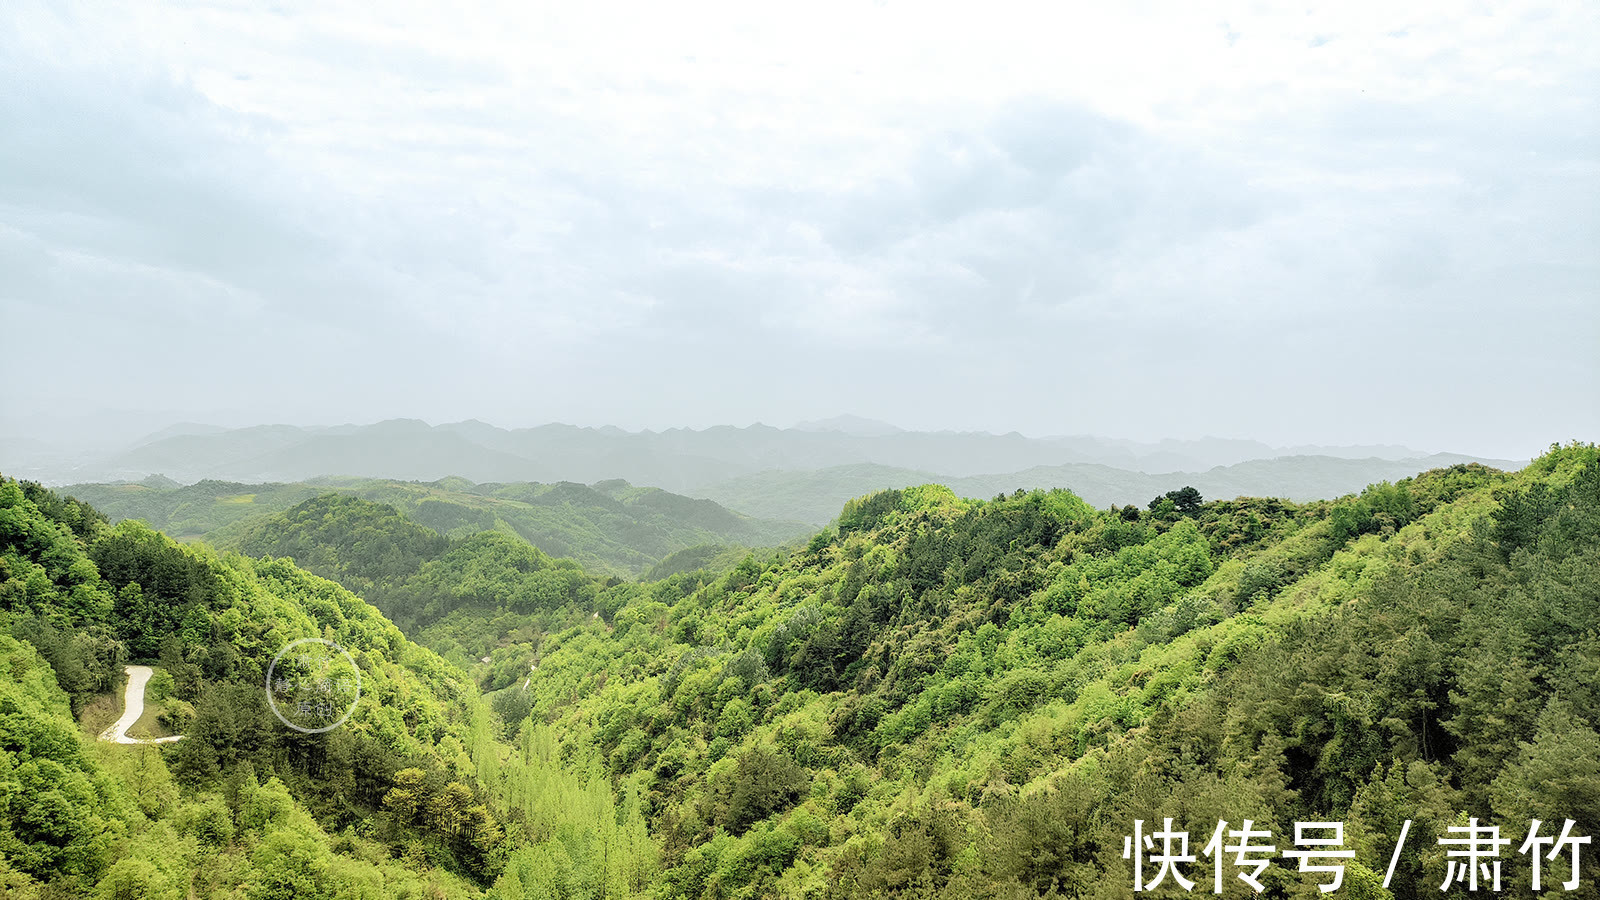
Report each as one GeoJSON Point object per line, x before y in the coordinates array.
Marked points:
{"type": "Point", "coordinates": [412, 797]}
{"type": "Point", "coordinates": [939, 697]}
{"type": "Point", "coordinates": [975, 699]}
{"type": "Point", "coordinates": [947, 697]}
{"type": "Point", "coordinates": [415, 575]}
{"type": "Point", "coordinates": [612, 527]}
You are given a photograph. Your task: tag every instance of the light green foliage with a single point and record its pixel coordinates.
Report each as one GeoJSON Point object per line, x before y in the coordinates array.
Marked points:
{"type": "Point", "coordinates": [981, 697]}
{"type": "Point", "coordinates": [207, 816]}
{"type": "Point", "coordinates": [938, 698]}
{"type": "Point", "coordinates": [53, 803]}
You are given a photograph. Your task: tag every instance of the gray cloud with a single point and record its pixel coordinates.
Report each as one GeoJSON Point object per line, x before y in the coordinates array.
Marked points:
{"type": "Point", "coordinates": [340, 218]}
{"type": "Point", "coordinates": [143, 169]}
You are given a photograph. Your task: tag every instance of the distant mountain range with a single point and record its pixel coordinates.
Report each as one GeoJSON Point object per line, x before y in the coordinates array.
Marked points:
{"type": "Point", "coordinates": [802, 473]}
{"type": "Point", "coordinates": [816, 496]}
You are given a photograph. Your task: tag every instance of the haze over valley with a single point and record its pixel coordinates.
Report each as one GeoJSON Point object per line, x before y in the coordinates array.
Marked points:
{"type": "Point", "coordinates": [802, 474]}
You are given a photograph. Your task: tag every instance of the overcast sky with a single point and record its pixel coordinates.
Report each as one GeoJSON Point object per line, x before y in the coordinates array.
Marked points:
{"type": "Point", "coordinates": [1331, 223]}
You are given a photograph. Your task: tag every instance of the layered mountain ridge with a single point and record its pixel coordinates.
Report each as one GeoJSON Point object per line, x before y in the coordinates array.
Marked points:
{"type": "Point", "coordinates": [733, 464]}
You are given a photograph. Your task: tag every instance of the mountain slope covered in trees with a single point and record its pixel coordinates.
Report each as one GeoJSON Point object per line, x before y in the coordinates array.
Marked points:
{"type": "Point", "coordinates": [947, 697]}
{"type": "Point", "coordinates": [956, 698]}
{"type": "Point", "coordinates": [410, 798]}
{"type": "Point", "coordinates": [612, 527]}
{"type": "Point", "coordinates": [963, 699]}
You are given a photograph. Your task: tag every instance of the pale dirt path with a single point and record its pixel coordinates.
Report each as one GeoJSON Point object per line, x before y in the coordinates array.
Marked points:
{"type": "Point", "coordinates": [133, 708]}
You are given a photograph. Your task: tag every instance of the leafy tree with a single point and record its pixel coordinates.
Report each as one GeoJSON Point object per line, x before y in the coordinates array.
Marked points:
{"type": "Point", "coordinates": [1185, 501]}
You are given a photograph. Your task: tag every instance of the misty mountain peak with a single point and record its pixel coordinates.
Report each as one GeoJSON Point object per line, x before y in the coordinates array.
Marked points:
{"type": "Point", "coordinates": [856, 426]}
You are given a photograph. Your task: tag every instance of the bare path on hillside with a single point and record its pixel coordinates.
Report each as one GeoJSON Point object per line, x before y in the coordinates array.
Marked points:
{"type": "Point", "coordinates": [133, 708]}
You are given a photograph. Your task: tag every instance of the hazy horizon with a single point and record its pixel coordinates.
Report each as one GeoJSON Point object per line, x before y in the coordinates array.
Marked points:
{"type": "Point", "coordinates": [128, 427]}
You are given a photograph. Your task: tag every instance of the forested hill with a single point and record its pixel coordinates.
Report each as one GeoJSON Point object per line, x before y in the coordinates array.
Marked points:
{"type": "Point", "coordinates": [411, 797]}
{"type": "Point", "coordinates": [938, 698]}
{"type": "Point", "coordinates": [949, 698]}
{"type": "Point", "coordinates": [612, 527]}
{"type": "Point", "coordinates": [414, 574]}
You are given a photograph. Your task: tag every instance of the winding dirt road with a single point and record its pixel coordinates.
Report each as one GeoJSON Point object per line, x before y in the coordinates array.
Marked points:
{"type": "Point", "coordinates": [133, 708]}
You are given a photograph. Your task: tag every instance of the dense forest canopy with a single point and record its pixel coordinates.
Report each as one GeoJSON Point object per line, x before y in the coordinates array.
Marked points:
{"type": "Point", "coordinates": [393, 804]}
{"type": "Point", "coordinates": [934, 697]}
